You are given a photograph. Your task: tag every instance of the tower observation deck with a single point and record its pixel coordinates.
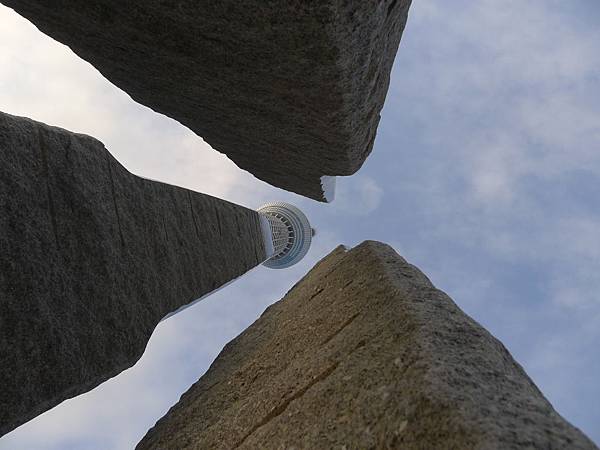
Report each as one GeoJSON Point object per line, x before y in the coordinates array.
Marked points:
{"type": "Point", "coordinates": [291, 234]}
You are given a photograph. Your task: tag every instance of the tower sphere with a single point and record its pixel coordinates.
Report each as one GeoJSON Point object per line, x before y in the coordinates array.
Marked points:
{"type": "Point", "coordinates": [291, 234]}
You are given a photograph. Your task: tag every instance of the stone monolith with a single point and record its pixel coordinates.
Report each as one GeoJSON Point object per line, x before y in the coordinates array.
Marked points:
{"type": "Point", "coordinates": [364, 352]}
{"type": "Point", "coordinates": [291, 91]}
{"type": "Point", "coordinates": [92, 258]}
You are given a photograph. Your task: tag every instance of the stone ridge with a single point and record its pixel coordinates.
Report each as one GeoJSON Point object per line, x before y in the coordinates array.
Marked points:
{"type": "Point", "coordinates": [92, 258]}
{"type": "Point", "coordinates": [289, 90]}
{"type": "Point", "coordinates": [364, 352]}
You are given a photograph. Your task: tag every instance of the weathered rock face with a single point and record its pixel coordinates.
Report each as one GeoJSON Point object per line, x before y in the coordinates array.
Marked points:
{"type": "Point", "coordinates": [364, 353]}
{"type": "Point", "coordinates": [92, 258]}
{"type": "Point", "coordinates": [289, 90]}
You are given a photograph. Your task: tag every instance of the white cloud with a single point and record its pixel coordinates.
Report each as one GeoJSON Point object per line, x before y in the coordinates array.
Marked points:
{"type": "Point", "coordinates": [357, 195]}
{"type": "Point", "coordinates": [521, 70]}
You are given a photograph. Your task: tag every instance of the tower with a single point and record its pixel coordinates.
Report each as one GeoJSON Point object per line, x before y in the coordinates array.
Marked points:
{"type": "Point", "coordinates": [290, 232]}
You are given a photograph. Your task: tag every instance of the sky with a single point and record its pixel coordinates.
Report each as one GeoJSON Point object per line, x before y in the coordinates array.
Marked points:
{"type": "Point", "coordinates": [485, 174]}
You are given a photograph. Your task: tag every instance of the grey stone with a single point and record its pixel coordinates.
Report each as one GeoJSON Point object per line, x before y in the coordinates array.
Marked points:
{"type": "Point", "coordinates": [363, 353]}
{"type": "Point", "coordinates": [92, 258]}
{"type": "Point", "coordinates": [289, 90]}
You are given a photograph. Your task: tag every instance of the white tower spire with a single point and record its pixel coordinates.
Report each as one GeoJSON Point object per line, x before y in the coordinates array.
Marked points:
{"type": "Point", "coordinates": [290, 234]}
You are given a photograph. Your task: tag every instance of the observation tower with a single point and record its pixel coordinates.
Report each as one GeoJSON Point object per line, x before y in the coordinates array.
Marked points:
{"type": "Point", "coordinates": [289, 233]}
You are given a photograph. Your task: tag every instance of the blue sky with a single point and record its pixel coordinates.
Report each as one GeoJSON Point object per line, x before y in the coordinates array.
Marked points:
{"type": "Point", "coordinates": [485, 174]}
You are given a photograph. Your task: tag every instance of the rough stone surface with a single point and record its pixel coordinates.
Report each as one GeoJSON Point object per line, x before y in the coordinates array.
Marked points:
{"type": "Point", "coordinates": [91, 258]}
{"type": "Point", "coordinates": [364, 353]}
{"type": "Point", "coordinates": [289, 90]}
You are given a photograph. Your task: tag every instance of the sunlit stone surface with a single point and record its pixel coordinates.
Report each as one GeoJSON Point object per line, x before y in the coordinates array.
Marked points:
{"type": "Point", "coordinates": [364, 352]}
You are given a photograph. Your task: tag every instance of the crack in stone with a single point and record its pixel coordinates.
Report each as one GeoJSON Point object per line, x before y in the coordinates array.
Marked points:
{"type": "Point", "coordinates": [344, 325]}
{"type": "Point", "coordinates": [218, 222]}
{"type": "Point", "coordinates": [114, 199]}
{"type": "Point", "coordinates": [193, 215]}
{"type": "Point", "coordinates": [46, 172]}
{"type": "Point", "coordinates": [315, 294]}
{"type": "Point", "coordinates": [279, 409]}
{"type": "Point", "coordinates": [165, 228]}
{"type": "Point", "coordinates": [348, 283]}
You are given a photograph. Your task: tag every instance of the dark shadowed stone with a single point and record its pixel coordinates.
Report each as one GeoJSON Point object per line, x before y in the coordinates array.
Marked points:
{"type": "Point", "coordinates": [92, 258]}
{"type": "Point", "coordinates": [289, 90]}
{"type": "Point", "coordinates": [364, 353]}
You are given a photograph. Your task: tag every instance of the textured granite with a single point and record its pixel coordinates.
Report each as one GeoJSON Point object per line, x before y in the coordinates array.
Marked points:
{"type": "Point", "coordinates": [364, 353]}
{"type": "Point", "coordinates": [289, 90]}
{"type": "Point", "coordinates": [91, 258]}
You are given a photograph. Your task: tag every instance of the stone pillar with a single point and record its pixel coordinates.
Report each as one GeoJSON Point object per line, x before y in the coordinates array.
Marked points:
{"type": "Point", "coordinates": [364, 352]}
{"type": "Point", "coordinates": [92, 258]}
{"type": "Point", "coordinates": [291, 91]}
